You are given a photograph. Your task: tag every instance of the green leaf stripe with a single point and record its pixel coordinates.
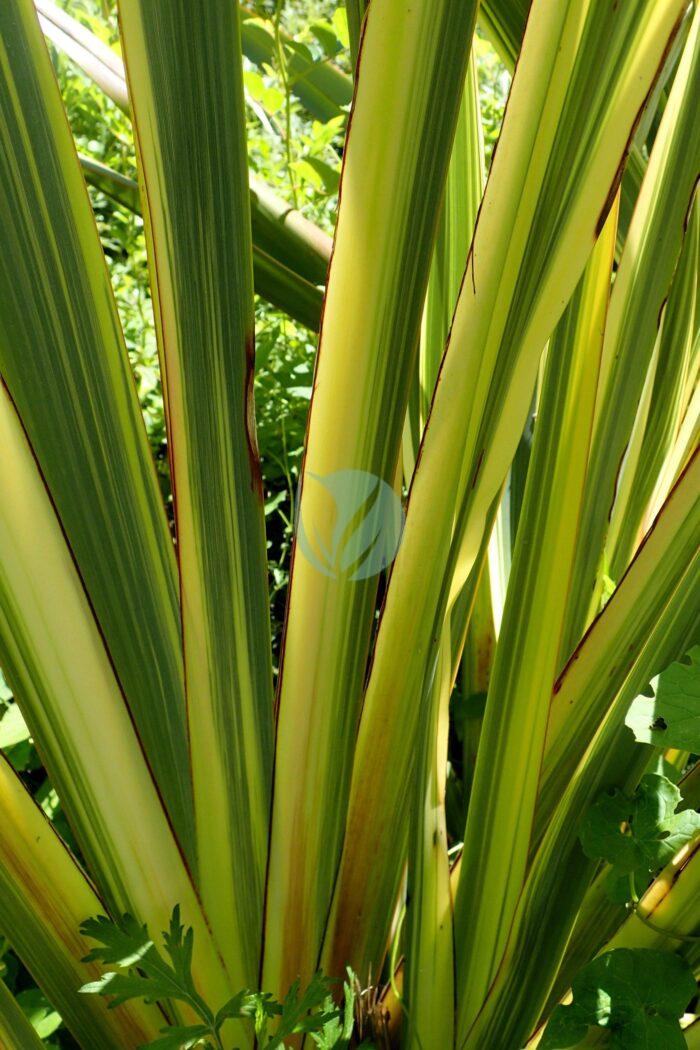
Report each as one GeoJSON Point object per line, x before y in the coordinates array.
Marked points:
{"type": "Point", "coordinates": [64, 362]}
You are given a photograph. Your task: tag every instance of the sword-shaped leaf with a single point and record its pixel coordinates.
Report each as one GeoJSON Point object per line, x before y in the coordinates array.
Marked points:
{"type": "Point", "coordinates": [61, 675]}
{"type": "Point", "coordinates": [283, 239]}
{"type": "Point", "coordinates": [674, 366]}
{"type": "Point", "coordinates": [64, 362]}
{"type": "Point", "coordinates": [602, 662]}
{"type": "Point", "coordinates": [552, 181]}
{"type": "Point", "coordinates": [44, 898]}
{"type": "Point", "coordinates": [501, 809]}
{"type": "Point", "coordinates": [560, 872]}
{"type": "Point", "coordinates": [641, 289]}
{"type": "Point", "coordinates": [395, 165]}
{"type": "Point", "coordinates": [429, 940]}
{"type": "Point", "coordinates": [281, 230]}
{"type": "Point", "coordinates": [186, 89]}
{"type": "Point", "coordinates": [16, 1031]}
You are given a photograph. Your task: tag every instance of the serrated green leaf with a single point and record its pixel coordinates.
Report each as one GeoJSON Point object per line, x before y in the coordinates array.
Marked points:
{"type": "Point", "coordinates": [335, 1034]}
{"type": "Point", "coordinates": [297, 1015]}
{"type": "Point", "coordinates": [237, 1006]}
{"type": "Point", "coordinates": [261, 1006]}
{"type": "Point", "coordinates": [638, 995]}
{"type": "Point", "coordinates": [671, 717]}
{"type": "Point", "coordinates": [181, 1038]}
{"type": "Point", "coordinates": [127, 944]}
{"type": "Point", "coordinates": [122, 988]}
{"type": "Point", "coordinates": [179, 946]}
{"type": "Point", "coordinates": [641, 832]}
{"type": "Point", "coordinates": [122, 944]}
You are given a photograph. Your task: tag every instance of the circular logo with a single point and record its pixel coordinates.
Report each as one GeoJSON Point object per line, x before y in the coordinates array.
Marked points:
{"type": "Point", "coordinates": [349, 524]}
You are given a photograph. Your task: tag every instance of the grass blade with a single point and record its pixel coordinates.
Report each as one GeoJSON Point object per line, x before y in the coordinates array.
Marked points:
{"type": "Point", "coordinates": [673, 367]}
{"type": "Point", "coordinates": [16, 1033]}
{"type": "Point", "coordinates": [44, 897]}
{"type": "Point", "coordinates": [395, 165]}
{"type": "Point", "coordinates": [610, 649]}
{"type": "Point", "coordinates": [186, 88]}
{"type": "Point", "coordinates": [277, 282]}
{"type": "Point", "coordinates": [496, 840]}
{"type": "Point", "coordinates": [65, 365]}
{"type": "Point", "coordinates": [550, 186]}
{"type": "Point", "coordinates": [60, 672]}
{"type": "Point", "coordinates": [641, 288]}
{"type": "Point", "coordinates": [280, 233]}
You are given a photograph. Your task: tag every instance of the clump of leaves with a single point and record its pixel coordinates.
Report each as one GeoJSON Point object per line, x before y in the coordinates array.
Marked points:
{"type": "Point", "coordinates": [637, 834]}
{"type": "Point", "coordinates": [634, 994]}
{"type": "Point", "coordinates": [144, 972]}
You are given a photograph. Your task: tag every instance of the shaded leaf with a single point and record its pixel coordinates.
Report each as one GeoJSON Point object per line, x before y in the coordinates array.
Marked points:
{"type": "Point", "coordinates": [636, 994]}
{"type": "Point", "coordinates": [181, 1038]}
{"type": "Point", "coordinates": [39, 1011]}
{"type": "Point", "coordinates": [638, 833]}
{"type": "Point", "coordinates": [297, 1015]}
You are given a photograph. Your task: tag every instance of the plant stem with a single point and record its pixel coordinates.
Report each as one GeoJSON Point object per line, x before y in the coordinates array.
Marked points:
{"type": "Point", "coordinates": [634, 904]}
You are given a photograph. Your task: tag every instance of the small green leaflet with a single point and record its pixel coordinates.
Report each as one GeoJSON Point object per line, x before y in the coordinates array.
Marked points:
{"type": "Point", "coordinates": [671, 718]}
{"type": "Point", "coordinates": [637, 995]}
{"type": "Point", "coordinates": [296, 1012]}
{"type": "Point", "coordinates": [638, 835]}
{"type": "Point", "coordinates": [337, 1033]}
{"type": "Point", "coordinates": [182, 1037]}
{"type": "Point", "coordinates": [154, 976]}
{"type": "Point", "coordinates": [39, 1012]}
{"type": "Point", "coordinates": [13, 728]}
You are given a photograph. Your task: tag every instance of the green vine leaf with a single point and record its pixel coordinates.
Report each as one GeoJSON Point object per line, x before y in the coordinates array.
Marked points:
{"type": "Point", "coordinates": [641, 833]}
{"type": "Point", "coordinates": [636, 995]}
{"type": "Point", "coordinates": [671, 717]}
